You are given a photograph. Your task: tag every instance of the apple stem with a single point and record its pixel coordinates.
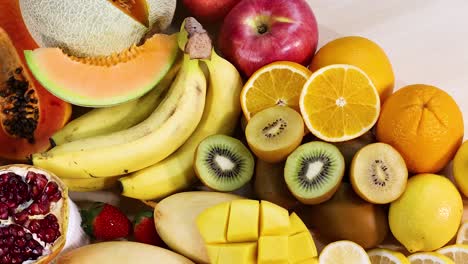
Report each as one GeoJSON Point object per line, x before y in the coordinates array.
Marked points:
{"type": "Point", "coordinates": [262, 29]}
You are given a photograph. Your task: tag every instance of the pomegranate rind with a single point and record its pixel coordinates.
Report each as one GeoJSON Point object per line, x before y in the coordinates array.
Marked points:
{"type": "Point", "coordinates": [59, 243]}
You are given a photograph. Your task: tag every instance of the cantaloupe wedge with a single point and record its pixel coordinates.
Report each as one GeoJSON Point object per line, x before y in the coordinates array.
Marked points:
{"type": "Point", "coordinates": [262, 233]}
{"type": "Point", "coordinates": [104, 81]}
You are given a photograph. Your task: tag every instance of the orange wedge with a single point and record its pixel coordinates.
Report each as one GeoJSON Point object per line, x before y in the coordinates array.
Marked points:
{"type": "Point", "coordinates": [339, 102]}
{"type": "Point", "coordinates": [278, 83]}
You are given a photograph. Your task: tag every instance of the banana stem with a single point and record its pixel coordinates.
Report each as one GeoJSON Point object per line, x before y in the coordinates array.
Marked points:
{"type": "Point", "coordinates": [194, 40]}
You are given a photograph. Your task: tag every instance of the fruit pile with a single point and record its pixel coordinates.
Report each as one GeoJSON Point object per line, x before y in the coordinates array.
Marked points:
{"type": "Point", "coordinates": [247, 143]}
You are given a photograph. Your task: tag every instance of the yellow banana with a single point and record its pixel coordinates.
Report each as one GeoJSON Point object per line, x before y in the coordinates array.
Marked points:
{"type": "Point", "coordinates": [140, 146]}
{"type": "Point", "coordinates": [90, 184]}
{"type": "Point", "coordinates": [221, 113]}
{"type": "Point", "coordinates": [102, 121]}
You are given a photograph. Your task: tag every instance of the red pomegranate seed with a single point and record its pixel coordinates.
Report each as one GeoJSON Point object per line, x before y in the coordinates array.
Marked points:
{"type": "Point", "coordinates": [3, 211]}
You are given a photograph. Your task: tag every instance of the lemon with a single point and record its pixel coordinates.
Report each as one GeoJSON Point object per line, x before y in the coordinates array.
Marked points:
{"type": "Point", "coordinates": [381, 255]}
{"type": "Point", "coordinates": [458, 253]}
{"type": "Point", "coordinates": [429, 258]}
{"type": "Point", "coordinates": [344, 252]}
{"type": "Point", "coordinates": [360, 52]}
{"type": "Point", "coordinates": [428, 213]}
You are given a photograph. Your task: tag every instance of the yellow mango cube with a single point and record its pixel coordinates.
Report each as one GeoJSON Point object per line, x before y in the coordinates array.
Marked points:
{"type": "Point", "coordinates": [213, 252]}
{"type": "Point", "coordinates": [212, 223]}
{"type": "Point", "coordinates": [301, 247]}
{"type": "Point", "coordinates": [274, 220]}
{"type": "Point", "coordinates": [273, 250]}
{"type": "Point", "coordinates": [296, 225]}
{"type": "Point", "coordinates": [307, 261]}
{"type": "Point", "coordinates": [237, 253]}
{"type": "Point", "coordinates": [243, 221]}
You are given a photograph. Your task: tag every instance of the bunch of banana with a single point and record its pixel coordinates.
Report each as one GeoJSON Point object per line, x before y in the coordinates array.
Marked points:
{"type": "Point", "coordinates": [155, 155]}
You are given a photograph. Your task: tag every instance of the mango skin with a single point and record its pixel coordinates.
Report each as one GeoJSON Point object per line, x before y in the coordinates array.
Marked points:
{"type": "Point", "coordinates": [347, 217]}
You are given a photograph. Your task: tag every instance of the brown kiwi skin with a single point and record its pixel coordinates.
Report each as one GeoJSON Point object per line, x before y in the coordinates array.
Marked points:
{"type": "Point", "coordinates": [351, 147]}
{"type": "Point", "coordinates": [269, 184]}
{"type": "Point", "coordinates": [347, 217]}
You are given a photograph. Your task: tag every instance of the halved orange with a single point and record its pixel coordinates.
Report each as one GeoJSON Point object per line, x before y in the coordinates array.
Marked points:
{"type": "Point", "coordinates": [339, 102]}
{"type": "Point", "coordinates": [278, 83]}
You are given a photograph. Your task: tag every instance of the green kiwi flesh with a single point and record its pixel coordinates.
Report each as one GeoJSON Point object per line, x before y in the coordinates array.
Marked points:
{"type": "Point", "coordinates": [223, 163]}
{"type": "Point", "coordinates": [313, 172]}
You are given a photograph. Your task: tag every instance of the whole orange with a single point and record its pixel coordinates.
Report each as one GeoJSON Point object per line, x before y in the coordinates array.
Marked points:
{"type": "Point", "coordinates": [424, 124]}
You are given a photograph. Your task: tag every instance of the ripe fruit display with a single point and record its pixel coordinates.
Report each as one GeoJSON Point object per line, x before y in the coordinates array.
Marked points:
{"type": "Point", "coordinates": [29, 114]}
{"type": "Point", "coordinates": [105, 222]}
{"type": "Point", "coordinates": [279, 30]}
{"type": "Point", "coordinates": [362, 53]}
{"type": "Point", "coordinates": [121, 252]}
{"type": "Point", "coordinates": [339, 102]}
{"type": "Point", "coordinates": [422, 119]}
{"type": "Point", "coordinates": [94, 28]}
{"type": "Point", "coordinates": [33, 215]}
{"type": "Point", "coordinates": [175, 219]}
{"type": "Point", "coordinates": [428, 213]}
{"type": "Point", "coordinates": [130, 73]}
{"type": "Point", "coordinates": [378, 173]}
{"type": "Point", "coordinates": [209, 11]}
{"type": "Point", "coordinates": [278, 83]}
{"type": "Point", "coordinates": [223, 163]}
{"type": "Point", "coordinates": [313, 172]}
{"type": "Point", "coordinates": [249, 231]}
{"type": "Point", "coordinates": [347, 216]}
{"type": "Point", "coordinates": [274, 133]}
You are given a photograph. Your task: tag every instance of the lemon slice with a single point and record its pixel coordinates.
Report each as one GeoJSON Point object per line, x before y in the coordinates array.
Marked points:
{"type": "Point", "coordinates": [344, 252]}
{"type": "Point", "coordinates": [278, 83]}
{"type": "Point", "coordinates": [339, 102]}
{"type": "Point", "coordinates": [380, 255]}
{"type": "Point", "coordinates": [429, 258]}
{"type": "Point", "coordinates": [462, 236]}
{"type": "Point", "coordinates": [458, 253]}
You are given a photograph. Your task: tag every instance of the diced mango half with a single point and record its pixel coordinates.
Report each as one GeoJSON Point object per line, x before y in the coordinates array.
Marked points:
{"type": "Point", "coordinates": [296, 225]}
{"type": "Point", "coordinates": [274, 220]}
{"type": "Point", "coordinates": [234, 253]}
{"type": "Point", "coordinates": [301, 247]}
{"type": "Point", "coordinates": [272, 250]}
{"type": "Point", "coordinates": [243, 221]}
{"type": "Point", "coordinates": [213, 222]}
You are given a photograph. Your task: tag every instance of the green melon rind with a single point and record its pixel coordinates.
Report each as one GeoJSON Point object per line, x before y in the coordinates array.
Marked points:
{"type": "Point", "coordinates": [80, 100]}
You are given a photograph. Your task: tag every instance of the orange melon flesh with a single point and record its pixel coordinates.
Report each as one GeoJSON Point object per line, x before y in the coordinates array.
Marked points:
{"type": "Point", "coordinates": [104, 81]}
{"type": "Point", "coordinates": [137, 9]}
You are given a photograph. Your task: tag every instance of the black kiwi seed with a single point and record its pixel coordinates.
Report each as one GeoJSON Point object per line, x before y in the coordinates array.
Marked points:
{"type": "Point", "coordinates": [223, 163]}
{"type": "Point", "coordinates": [278, 122]}
{"type": "Point", "coordinates": [377, 180]}
{"type": "Point", "coordinates": [319, 187]}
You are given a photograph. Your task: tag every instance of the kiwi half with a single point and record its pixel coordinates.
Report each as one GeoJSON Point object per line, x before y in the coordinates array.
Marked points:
{"type": "Point", "coordinates": [274, 133]}
{"type": "Point", "coordinates": [223, 163]}
{"type": "Point", "coordinates": [313, 172]}
{"type": "Point", "coordinates": [378, 173]}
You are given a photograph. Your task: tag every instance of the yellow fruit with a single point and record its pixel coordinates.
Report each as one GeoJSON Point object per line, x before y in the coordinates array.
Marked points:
{"type": "Point", "coordinates": [274, 220]}
{"type": "Point", "coordinates": [343, 252]}
{"type": "Point", "coordinates": [380, 255]}
{"type": "Point", "coordinates": [301, 247]}
{"type": "Point", "coordinates": [278, 83]}
{"type": "Point", "coordinates": [309, 261]}
{"type": "Point", "coordinates": [424, 124]}
{"type": "Point", "coordinates": [362, 53]}
{"type": "Point", "coordinates": [283, 238]}
{"type": "Point", "coordinates": [339, 103]}
{"type": "Point", "coordinates": [428, 213]}
{"type": "Point", "coordinates": [273, 249]}
{"type": "Point", "coordinates": [429, 258]}
{"type": "Point", "coordinates": [218, 214]}
{"type": "Point", "coordinates": [460, 168]}
{"type": "Point", "coordinates": [233, 253]}
{"type": "Point", "coordinates": [296, 225]}
{"type": "Point", "coordinates": [462, 236]}
{"type": "Point", "coordinates": [243, 221]}
{"type": "Point", "coordinates": [457, 253]}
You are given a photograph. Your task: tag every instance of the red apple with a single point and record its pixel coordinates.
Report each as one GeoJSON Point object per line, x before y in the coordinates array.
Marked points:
{"type": "Point", "coordinates": [258, 32]}
{"type": "Point", "coordinates": [209, 10]}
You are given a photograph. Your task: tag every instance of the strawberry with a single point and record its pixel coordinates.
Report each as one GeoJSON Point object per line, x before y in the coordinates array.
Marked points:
{"type": "Point", "coordinates": [144, 230]}
{"type": "Point", "coordinates": [105, 222]}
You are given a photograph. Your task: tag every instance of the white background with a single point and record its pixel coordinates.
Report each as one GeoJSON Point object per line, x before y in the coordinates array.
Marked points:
{"type": "Point", "coordinates": [426, 40]}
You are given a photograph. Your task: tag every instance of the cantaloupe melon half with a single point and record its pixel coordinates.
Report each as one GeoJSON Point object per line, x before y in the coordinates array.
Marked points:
{"type": "Point", "coordinates": [104, 81]}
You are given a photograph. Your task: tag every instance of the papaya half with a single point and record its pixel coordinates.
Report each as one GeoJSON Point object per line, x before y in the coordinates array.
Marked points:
{"type": "Point", "coordinates": [29, 114]}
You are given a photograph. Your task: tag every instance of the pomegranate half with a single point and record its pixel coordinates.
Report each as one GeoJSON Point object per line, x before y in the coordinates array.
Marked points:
{"type": "Point", "coordinates": [33, 215]}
